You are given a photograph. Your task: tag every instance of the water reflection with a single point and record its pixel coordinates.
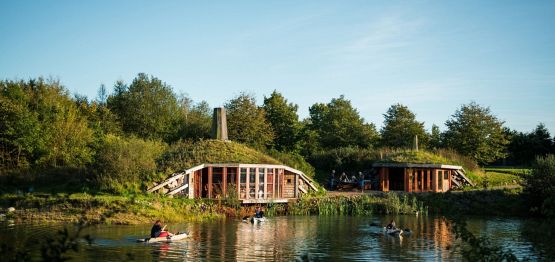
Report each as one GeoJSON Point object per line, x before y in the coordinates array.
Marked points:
{"type": "Point", "coordinates": [290, 238]}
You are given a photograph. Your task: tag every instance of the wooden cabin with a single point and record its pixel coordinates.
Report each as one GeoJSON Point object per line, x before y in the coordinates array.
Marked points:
{"type": "Point", "coordinates": [251, 183]}
{"type": "Point", "coordinates": [411, 177]}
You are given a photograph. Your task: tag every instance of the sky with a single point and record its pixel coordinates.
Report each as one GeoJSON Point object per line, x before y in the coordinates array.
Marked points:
{"type": "Point", "coordinates": [432, 56]}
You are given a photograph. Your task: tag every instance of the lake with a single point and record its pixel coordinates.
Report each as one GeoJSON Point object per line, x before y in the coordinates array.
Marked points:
{"type": "Point", "coordinates": [335, 238]}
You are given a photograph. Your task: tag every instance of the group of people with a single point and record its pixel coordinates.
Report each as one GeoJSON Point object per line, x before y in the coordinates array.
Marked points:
{"type": "Point", "coordinates": [344, 178]}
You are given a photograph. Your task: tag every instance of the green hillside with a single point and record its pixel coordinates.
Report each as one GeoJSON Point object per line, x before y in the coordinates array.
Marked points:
{"type": "Point", "coordinates": [184, 155]}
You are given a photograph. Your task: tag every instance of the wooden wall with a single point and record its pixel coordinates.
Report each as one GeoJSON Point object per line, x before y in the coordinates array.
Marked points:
{"type": "Point", "coordinates": [289, 185]}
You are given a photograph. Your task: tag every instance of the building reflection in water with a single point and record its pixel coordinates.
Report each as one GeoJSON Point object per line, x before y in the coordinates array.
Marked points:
{"type": "Point", "coordinates": [329, 238]}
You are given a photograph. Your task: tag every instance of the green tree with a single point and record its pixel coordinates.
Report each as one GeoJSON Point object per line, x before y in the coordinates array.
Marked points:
{"type": "Point", "coordinates": [475, 132]}
{"type": "Point", "coordinates": [43, 124]}
{"type": "Point", "coordinates": [284, 121]}
{"type": "Point", "coordinates": [524, 147]}
{"type": "Point", "coordinates": [400, 128]}
{"type": "Point", "coordinates": [338, 124]}
{"type": "Point", "coordinates": [19, 133]}
{"type": "Point", "coordinates": [246, 122]}
{"type": "Point", "coordinates": [147, 108]}
{"type": "Point", "coordinates": [195, 119]}
{"type": "Point", "coordinates": [435, 138]}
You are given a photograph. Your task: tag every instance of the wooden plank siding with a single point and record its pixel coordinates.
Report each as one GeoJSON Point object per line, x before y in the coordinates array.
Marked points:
{"type": "Point", "coordinates": [416, 177]}
{"type": "Point", "coordinates": [252, 182]}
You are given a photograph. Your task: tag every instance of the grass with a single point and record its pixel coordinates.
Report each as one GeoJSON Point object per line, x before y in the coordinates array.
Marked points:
{"type": "Point", "coordinates": [411, 156]}
{"type": "Point", "coordinates": [124, 209]}
{"type": "Point", "coordinates": [187, 154]}
{"type": "Point", "coordinates": [503, 202]}
{"type": "Point", "coordinates": [498, 177]}
{"type": "Point", "coordinates": [388, 203]}
{"type": "Point", "coordinates": [509, 170]}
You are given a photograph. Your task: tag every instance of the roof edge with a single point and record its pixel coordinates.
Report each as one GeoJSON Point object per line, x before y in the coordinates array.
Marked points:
{"type": "Point", "coordinates": [417, 165]}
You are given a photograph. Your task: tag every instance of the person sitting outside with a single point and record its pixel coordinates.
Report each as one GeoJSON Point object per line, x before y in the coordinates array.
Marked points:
{"type": "Point", "coordinates": [332, 180]}
{"type": "Point", "coordinates": [343, 178]}
{"type": "Point", "coordinates": [258, 213]}
{"type": "Point", "coordinates": [361, 180]}
{"type": "Point", "coordinates": [391, 225]}
{"type": "Point", "coordinates": [158, 231]}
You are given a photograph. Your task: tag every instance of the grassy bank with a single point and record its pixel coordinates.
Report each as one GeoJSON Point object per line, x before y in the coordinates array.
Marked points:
{"type": "Point", "coordinates": [145, 209]}
{"type": "Point", "coordinates": [40, 207]}
{"type": "Point", "coordinates": [503, 202]}
{"type": "Point", "coordinates": [108, 208]}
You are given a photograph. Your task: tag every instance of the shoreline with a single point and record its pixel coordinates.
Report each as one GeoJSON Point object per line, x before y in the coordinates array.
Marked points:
{"type": "Point", "coordinates": [138, 209]}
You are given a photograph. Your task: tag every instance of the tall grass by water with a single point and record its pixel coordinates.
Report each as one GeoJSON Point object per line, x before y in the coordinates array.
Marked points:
{"type": "Point", "coordinates": [390, 203]}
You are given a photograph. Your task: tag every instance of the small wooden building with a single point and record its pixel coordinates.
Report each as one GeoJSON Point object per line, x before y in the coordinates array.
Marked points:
{"type": "Point", "coordinates": [252, 183]}
{"type": "Point", "coordinates": [411, 177]}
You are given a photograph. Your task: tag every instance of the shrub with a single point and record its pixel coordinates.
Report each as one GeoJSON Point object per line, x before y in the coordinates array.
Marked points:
{"type": "Point", "coordinates": [126, 164]}
{"type": "Point", "coordinates": [540, 185]}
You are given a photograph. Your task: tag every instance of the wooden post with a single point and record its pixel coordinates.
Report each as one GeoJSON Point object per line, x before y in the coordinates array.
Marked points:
{"type": "Point", "coordinates": [406, 180]}
{"type": "Point", "coordinates": [256, 183]}
{"type": "Point", "coordinates": [224, 179]}
{"type": "Point", "coordinates": [434, 180]}
{"type": "Point", "coordinates": [191, 185]}
{"type": "Point", "coordinates": [429, 173]}
{"type": "Point", "coordinates": [247, 183]}
{"type": "Point", "coordinates": [422, 174]}
{"type": "Point", "coordinates": [265, 183]}
{"type": "Point", "coordinates": [238, 185]}
{"type": "Point", "coordinates": [210, 182]}
{"type": "Point", "coordinates": [296, 185]}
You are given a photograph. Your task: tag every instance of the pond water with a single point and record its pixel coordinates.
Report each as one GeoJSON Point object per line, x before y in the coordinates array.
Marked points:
{"type": "Point", "coordinates": [336, 238]}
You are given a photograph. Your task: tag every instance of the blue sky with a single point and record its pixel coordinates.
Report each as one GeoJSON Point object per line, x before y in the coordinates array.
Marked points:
{"type": "Point", "coordinates": [432, 56]}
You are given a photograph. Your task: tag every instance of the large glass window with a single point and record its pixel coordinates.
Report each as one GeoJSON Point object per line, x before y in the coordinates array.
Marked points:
{"type": "Point", "coordinates": [231, 180]}
{"type": "Point", "coordinates": [252, 182]}
{"type": "Point", "coordinates": [270, 183]}
{"type": "Point", "coordinates": [243, 183]}
{"type": "Point", "coordinates": [261, 179]}
{"type": "Point", "coordinates": [217, 179]}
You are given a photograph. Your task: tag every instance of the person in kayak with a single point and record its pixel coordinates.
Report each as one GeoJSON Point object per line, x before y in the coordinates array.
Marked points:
{"type": "Point", "coordinates": [159, 231]}
{"type": "Point", "coordinates": [258, 213]}
{"type": "Point", "coordinates": [391, 225]}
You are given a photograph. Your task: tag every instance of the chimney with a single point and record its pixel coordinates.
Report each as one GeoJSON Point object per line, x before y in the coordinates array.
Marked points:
{"type": "Point", "coordinates": [219, 124]}
{"type": "Point", "coordinates": [416, 143]}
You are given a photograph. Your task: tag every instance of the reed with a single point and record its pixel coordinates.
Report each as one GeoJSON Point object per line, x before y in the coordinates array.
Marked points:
{"type": "Point", "coordinates": [363, 205]}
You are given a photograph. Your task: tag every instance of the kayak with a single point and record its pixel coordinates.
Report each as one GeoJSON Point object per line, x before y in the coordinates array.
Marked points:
{"type": "Point", "coordinates": [168, 239]}
{"type": "Point", "coordinates": [393, 231]}
{"type": "Point", "coordinates": [258, 220]}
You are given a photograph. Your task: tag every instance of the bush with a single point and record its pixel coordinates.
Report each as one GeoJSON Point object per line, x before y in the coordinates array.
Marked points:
{"type": "Point", "coordinates": [127, 164]}
{"type": "Point", "coordinates": [540, 185]}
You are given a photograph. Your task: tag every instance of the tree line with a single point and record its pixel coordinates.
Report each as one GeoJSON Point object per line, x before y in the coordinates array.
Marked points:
{"type": "Point", "coordinates": [42, 125]}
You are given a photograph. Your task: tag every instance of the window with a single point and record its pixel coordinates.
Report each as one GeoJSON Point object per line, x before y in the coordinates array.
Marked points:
{"type": "Point", "coordinates": [252, 182]}
{"type": "Point", "coordinates": [261, 175]}
{"type": "Point", "coordinates": [270, 183]}
{"type": "Point", "coordinates": [440, 181]}
{"type": "Point", "coordinates": [289, 181]}
{"type": "Point", "coordinates": [243, 183]}
{"type": "Point", "coordinates": [445, 175]}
